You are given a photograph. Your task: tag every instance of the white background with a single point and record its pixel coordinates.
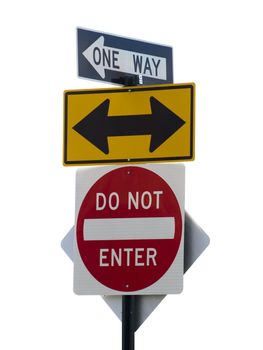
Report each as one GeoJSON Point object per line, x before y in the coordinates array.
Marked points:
{"type": "Point", "coordinates": [217, 45]}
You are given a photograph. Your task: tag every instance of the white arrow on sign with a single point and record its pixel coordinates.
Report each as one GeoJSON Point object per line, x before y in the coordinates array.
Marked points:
{"type": "Point", "coordinates": [103, 57]}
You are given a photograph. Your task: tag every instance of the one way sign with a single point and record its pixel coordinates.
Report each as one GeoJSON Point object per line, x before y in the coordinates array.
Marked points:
{"type": "Point", "coordinates": [115, 59]}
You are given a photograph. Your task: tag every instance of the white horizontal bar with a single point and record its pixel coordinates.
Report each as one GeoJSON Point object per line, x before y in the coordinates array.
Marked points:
{"type": "Point", "coordinates": [129, 228]}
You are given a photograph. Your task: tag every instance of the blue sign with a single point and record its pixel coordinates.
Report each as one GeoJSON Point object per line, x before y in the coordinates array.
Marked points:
{"type": "Point", "coordinates": [121, 60]}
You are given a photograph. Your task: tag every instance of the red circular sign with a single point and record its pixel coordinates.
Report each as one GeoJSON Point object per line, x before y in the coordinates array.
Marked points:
{"type": "Point", "coordinates": [129, 228]}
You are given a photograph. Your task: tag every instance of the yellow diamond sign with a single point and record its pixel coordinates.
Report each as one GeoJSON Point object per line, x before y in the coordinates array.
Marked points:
{"type": "Point", "coordinates": [131, 124]}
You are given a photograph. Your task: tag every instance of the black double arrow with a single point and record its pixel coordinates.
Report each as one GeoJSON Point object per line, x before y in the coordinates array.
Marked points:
{"type": "Point", "coordinates": [97, 126]}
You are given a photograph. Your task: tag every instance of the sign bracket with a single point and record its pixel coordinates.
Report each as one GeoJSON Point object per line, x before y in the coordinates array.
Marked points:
{"type": "Point", "coordinates": [133, 80]}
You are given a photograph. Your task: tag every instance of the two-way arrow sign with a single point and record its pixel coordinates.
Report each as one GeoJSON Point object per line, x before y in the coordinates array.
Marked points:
{"type": "Point", "coordinates": [131, 124]}
{"type": "Point", "coordinates": [96, 127]}
{"type": "Point", "coordinates": [115, 59]}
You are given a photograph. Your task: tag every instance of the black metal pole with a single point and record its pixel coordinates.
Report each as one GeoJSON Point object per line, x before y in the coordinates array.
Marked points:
{"type": "Point", "coordinates": [128, 319]}
{"type": "Point", "coordinates": [128, 301]}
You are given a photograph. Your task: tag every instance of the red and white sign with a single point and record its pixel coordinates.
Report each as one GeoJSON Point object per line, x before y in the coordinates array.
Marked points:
{"type": "Point", "coordinates": [129, 230]}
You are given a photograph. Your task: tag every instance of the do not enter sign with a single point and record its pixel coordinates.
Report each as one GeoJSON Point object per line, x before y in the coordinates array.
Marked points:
{"type": "Point", "coordinates": [129, 230]}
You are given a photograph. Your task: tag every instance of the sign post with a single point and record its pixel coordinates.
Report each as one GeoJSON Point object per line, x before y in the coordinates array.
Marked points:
{"type": "Point", "coordinates": [130, 221]}
{"type": "Point", "coordinates": [128, 321]}
{"type": "Point", "coordinates": [128, 318]}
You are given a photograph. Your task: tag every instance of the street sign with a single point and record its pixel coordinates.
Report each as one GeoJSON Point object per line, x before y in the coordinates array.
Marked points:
{"type": "Point", "coordinates": [113, 59]}
{"type": "Point", "coordinates": [129, 230]}
{"type": "Point", "coordinates": [195, 242]}
{"type": "Point", "coordinates": [136, 124]}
